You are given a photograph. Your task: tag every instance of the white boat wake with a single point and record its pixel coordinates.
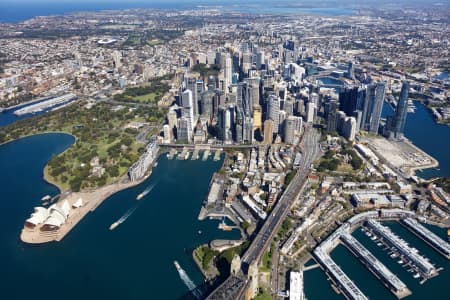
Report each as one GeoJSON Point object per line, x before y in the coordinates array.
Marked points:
{"type": "Point", "coordinates": [128, 213]}
{"type": "Point", "coordinates": [146, 191]}
{"type": "Point", "coordinates": [189, 283]}
{"type": "Point", "coordinates": [122, 219]}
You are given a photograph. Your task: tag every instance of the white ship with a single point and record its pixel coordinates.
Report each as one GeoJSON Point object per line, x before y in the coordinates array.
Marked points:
{"type": "Point", "coordinates": [114, 225]}
{"type": "Point", "coordinates": [177, 265]}
{"type": "Point", "coordinates": [145, 192]}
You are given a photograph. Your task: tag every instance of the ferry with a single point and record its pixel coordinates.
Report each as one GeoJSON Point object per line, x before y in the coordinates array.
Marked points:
{"type": "Point", "coordinates": [114, 225]}
{"type": "Point", "coordinates": [417, 275]}
{"type": "Point", "coordinates": [177, 265]}
{"type": "Point", "coordinates": [140, 196]}
{"type": "Point", "coordinates": [448, 234]}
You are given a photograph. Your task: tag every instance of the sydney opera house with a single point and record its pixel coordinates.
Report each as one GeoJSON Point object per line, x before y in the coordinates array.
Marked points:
{"type": "Point", "coordinates": [52, 218]}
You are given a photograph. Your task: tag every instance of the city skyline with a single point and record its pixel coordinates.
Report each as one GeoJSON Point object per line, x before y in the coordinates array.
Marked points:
{"type": "Point", "coordinates": [258, 151]}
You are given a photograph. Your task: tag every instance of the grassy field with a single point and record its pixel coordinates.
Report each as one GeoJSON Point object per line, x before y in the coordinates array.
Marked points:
{"type": "Point", "coordinates": [147, 98]}
{"type": "Point", "coordinates": [149, 93]}
{"type": "Point", "coordinates": [100, 133]}
{"type": "Point", "coordinates": [154, 42]}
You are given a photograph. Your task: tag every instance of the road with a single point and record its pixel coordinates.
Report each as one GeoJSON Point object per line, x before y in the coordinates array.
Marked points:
{"type": "Point", "coordinates": [211, 146]}
{"type": "Point", "coordinates": [233, 287]}
{"type": "Point", "coordinates": [271, 225]}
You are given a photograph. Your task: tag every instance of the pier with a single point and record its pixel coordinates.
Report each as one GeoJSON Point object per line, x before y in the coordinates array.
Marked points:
{"type": "Point", "coordinates": [423, 266]}
{"type": "Point", "coordinates": [205, 155]}
{"type": "Point", "coordinates": [39, 106]}
{"type": "Point", "coordinates": [217, 154]}
{"type": "Point", "coordinates": [348, 287]}
{"type": "Point", "coordinates": [195, 154]}
{"type": "Point", "coordinates": [172, 153]}
{"type": "Point", "coordinates": [391, 281]}
{"type": "Point", "coordinates": [183, 155]}
{"type": "Point", "coordinates": [429, 237]}
{"type": "Point", "coordinates": [340, 279]}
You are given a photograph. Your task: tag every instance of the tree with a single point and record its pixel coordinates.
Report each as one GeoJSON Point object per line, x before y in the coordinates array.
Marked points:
{"type": "Point", "coordinates": [113, 171]}
{"type": "Point", "coordinates": [75, 184]}
{"type": "Point", "coordinates": [245, 225]}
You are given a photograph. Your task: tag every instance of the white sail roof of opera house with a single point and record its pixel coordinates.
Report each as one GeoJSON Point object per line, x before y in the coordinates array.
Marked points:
{"type": "Point", "coordinates": [55, 220]}
{"type": "Point", "coordinates": [78, 203]}
{"type": "Point", "coordinates": [58, 215]}
{"type": "Point", "coordinates": [40, 215]}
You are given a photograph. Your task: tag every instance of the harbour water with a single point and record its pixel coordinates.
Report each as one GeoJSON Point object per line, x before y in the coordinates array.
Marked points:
{"type": "Point", "coordinates": [431, 137]}
{"type": "Point", "coordinates": [317, 287]}
{"type": "Point", "coordinates": [134, 261]}
{"type": "Point", "coordinates": [8, 117]}
{"type": "Point", "coordinates": [16, 11]}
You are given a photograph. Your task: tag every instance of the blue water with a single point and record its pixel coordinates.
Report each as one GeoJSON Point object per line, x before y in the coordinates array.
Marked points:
{"type": "Point", "coordinates": [431, 137]}
{"type": "Point", "coordinates": [16, 11]}
{"type": "Point", "coordinates": [8, 117]}
{"type": "Point", "coordinates": [444, 76]}
{"type": "Point", "coordinates": [134, 261]}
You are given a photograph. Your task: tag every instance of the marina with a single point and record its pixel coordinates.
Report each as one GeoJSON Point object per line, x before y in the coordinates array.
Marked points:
{"type": "Point", "coordinates": [429, 237]}
{"type": "Point", "coordinates": [390, 280]}
{"type": "Point", "coordinates": [409, 254]}
{"type": "Point", "coordinates": [382, 237]}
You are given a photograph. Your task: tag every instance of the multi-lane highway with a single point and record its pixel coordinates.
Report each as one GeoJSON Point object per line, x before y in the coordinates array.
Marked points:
{"type": "Point", "coordinates": [311, 152]}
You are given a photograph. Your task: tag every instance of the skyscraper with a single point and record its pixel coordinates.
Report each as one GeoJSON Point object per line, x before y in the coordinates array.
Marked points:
{"type": "Point", "coordinates": [349, 128]}
{"type": "Point", "coordinates": [373, 105]}
{"type": "Point", "coordinates": [289, 130]}
{"type": "Point", "coordinates": [187, 98]}
{"type": "Point", "coordinates": [206, 101]}
{"type": "Point", "coordinates": [184, 130]}
{"type": "Point", "coordinates": [348, 99]}
{"type": "Point", "coordinates": [310, 112]}
{"type": "Point", "coordinates": [190, 83]}
{"type": "Point", "coordinates": [331, 113]}
{"type": "Point", "coordinates": [350, 71]}
{"type": "Point", "coordinates": [289, 107]}
{"type": "Point", "coordinates": [228, 72]}
{"type": "Point", "coordinates": [273, 111]}
{"type": "Point", "coordinates": [188, 109]}
{"type": "Point", "coordinates": [225, 123]}
{"type": "Point", "coordinates": [401, 112]}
